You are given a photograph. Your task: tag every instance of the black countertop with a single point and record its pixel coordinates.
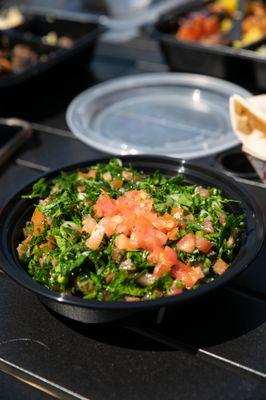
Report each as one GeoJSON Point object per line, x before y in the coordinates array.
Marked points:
{"type": "Point", "coordinates": [214, 350]}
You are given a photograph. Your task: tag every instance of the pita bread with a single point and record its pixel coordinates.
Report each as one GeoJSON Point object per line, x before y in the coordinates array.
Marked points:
{"type": "Point", "coordinates": [248, 118]}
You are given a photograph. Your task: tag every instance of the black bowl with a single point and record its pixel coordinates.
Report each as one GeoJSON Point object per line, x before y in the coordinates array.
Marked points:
{"type": "Point", "coordinates": [17, 211]}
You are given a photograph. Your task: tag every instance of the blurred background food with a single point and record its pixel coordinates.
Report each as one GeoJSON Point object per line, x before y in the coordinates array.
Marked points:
{"type": "Point", "coordinates": [211, 25]}
{"type": "Point", "coordinates": [10, 18]}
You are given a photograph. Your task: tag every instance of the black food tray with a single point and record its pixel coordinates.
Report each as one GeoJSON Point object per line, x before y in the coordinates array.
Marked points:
{"type": "Point", "coordinates": [35, 27]}
{"type": "Point", "coordinates": [242, 66]}
{"type": "Point", "coordinates": [45, 78]}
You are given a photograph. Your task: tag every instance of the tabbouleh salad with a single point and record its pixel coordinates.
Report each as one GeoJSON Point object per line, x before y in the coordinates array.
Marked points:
{"type": "Point", "coordinates": [114, 233]}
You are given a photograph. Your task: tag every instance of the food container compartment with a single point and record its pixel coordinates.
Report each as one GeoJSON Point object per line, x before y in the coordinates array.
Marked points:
{"type": "Point", "coordinates": [259, 166]}
{"type": "Point", "coordinates": [47, 30]}
{"type": "Point", "coordinates": [40, 80]}
{"type": "Point", "coordinates": [259, 63]}
{"type": "Point", "coordinates": [220, 61]}
{"type": "Point", "coordinates": [19, 56]}
{"type": "Point", "coordinates": [235, 163]}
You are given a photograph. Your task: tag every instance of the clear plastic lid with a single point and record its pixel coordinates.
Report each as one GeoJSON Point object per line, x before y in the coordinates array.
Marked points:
{"type": "Point", "coordinates": [174, 114]}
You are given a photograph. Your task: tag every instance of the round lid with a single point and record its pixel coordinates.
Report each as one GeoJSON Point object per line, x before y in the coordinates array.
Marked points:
{"type": "Point", "coordinates": [174, 114]}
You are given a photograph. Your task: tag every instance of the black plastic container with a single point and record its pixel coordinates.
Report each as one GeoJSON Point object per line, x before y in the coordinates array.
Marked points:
{"type": "Point", "coordinates": [242, 66]}
{"type": "Point", "coordinates": [26, 93]}
{"type": "Point", "coordinates": [235, 163]}
{"type": "Point", "coordinates": [17, 211]}
{"type": "Point", "coordinates": [35, 27]}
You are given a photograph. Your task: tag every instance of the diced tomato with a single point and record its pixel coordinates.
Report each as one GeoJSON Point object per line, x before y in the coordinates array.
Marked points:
{"type": "Point", "coordinates": [207, 223]}
{"type": "Point", "coordinates": [193, 276]}
{"type": "Point", "coordinates": [127, 223]}
{"type": "Point", "coordinates": [187, 275]}
{"type": "Point", "coordinates": [115, 253]}
{"type": "Point", "coordinates": [172, 235]}
{"type": "Point", "coordinates": [148, 238]}
{"type": "Point", "coordinates": [105, 207]}
{"type": "Point", "coordinates": [132, 299]}
{"type": "Point", "coordinates": [136, 201]}
{"type": "Point", "coordinates": [144, 207]}
{"type": "Point", "coordinates": [107, 177]}
{"type": "Point", "coordinates": [171, 255]}
{"type": "Point", "coordinates": [163, 265]}
{"type": "Point", "coordinates": [220, 266]}
{"type": "Point", "coordinates": [198, 28]}
{"type": "Point", "coordinates": [211, 25]}
{"type": "Point", "coordinates": [23, 246]}
{"type": "Point", "coordinates": [177, 212]}
{"type": "Point", "coordinates": [202, 191]}
{"type": "Point", "coordinates": [38, 219]}
{"type": "Point", "coordinates": [203, 244]}
{"type": "Point", "coordinates": [167, 258]}
{"type": "Point", "coordinates": [48, 244]}
{"type": "Point", "coordinates": [165, 223]}
{"type": "Point", "coordinates": [88, 224]}
{"type": "Point", "coordinates": [96, 237]}
{"type": "Point", "coordinates": [155, 254]}
{"type": "Point", "coordinates": [91, 174]}
{"type": "Point", "coordinates": [117, 183]}
{"type": "Point", "coordinates": [187, 243]}
{"type": "Point", "coordinates": [123, 243]}
{"type": "Point", "coordinates": [122, 204]}
{"type": "Point", "coordinates": [127, 175]}
{"type": "Point", "coordinates": [180, 266]}
{"type": "Point", "coordinates": [186, 33]}
{"type": "Point", "coordinates": [110, 224]}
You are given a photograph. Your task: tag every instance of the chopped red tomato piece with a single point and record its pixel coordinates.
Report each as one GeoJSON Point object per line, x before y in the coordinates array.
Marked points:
{"type": "Point", "coordinates": [172, 235]}
{"type": "Point", "coordinates": [171, 255]}
{"type": "Point", "coordinates": [96, 237]}
{"type": "Point", "coordinates": [132, 299]}
{"type": "Point", "coordinates": [88, 224]}
{"type": "Point", "coordinates": [122, 242]}
{"type": "Point", "coordinates": [22, 247]}
{"type": "Point", "coordinates": [187, 243]}
{"type": "Point", "coordinates": [117, 183]}
{"type": "Point", "coordinates": [167, 258]}
{"type": "Point", "coordinates": [220, 266]}
{"type": "Point", "coordinates": [207, 223]}
{"type": "Point", "coordinates": [91, 174]}
{"type": "Point", "coordinates": [105, 207]}
{"type": "Point", "coordinates": [155, 255]}
{"type": "Point", "coordinates": [164, 265]}
{"type": "Point", "coordinates": [177, 212]}
{"type": "Point", "coordinates": [38, 219]}
{"type": "Point", "coordinates": [165, 223]}
{"type": "Point", "coordinates": [203, 244]}
{"type": "Point", "coordinates": [48, 244]}
{"type": "Point", "coordinates": [202, 191]}
{"type": "Point", "coordinates": [187, 275]}
{"type": "Point", "coordinates": [111, 224]}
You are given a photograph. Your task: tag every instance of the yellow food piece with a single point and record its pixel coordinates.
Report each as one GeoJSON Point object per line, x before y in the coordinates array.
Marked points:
{"type": "Point", "coordinates": [226, 25]}
{"type": "Point", "coordinates": [251, 36]}
{"type": "Point", "coordinates": [229, 5]}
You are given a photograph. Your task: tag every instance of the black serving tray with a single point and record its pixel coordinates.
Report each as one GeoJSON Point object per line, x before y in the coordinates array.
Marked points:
{"type": "Point", "coordinates": [35, 27]}
{"type": "Point", "coordinates": [43, 79]}
{"type": "Point", "coordinates": [242, 66]}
